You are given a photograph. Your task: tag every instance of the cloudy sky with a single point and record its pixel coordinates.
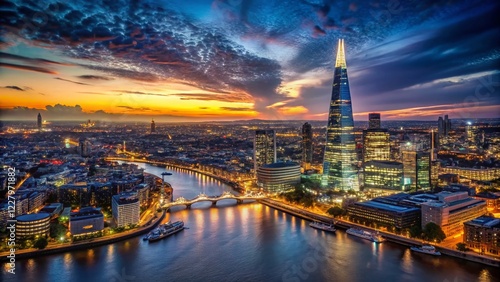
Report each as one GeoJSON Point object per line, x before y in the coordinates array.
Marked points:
{"type": "Point", "coordinates": [178, 60]}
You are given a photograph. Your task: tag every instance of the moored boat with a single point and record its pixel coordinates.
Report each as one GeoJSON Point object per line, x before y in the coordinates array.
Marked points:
{"type": "Point", "coordinates": [167, 230]}
{"type": "Point", "coordinates": [426, 249]}
{"type": "Point", "coordinates": [374, 237]}
{"type": "Point", "coordinates": [322, 226]}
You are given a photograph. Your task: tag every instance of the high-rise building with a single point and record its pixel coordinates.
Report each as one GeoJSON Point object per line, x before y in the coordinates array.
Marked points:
{"type": "Point", "coordinates": [440, 127]}
{"type": "Point", "coordinates": [264, 148]}
{"type": "Point", "coordinates": [416, 170]}
{"type": "Point", "coordinates": [385, 175]}
{"type": "Point", "coordinates": [340, 158]}
{"type": "Point", "coordinates": [153, 127]}
{"type": "Point", "coordinates": [376, 145]}
{"type": "Point", "coordinates": [84, 147]}
{"type": "Point", "coordinates": [39, 121]}
{"type": "Point", "coordinates": [447, 125]}
{"type": "Point", "coordinates": [126, 209]}
{"type": "Point", "coordinates": [307, 149]}
{"type": "Point", "coordinates": [373, 120]}
{"type": "Point", "coordinates": [435, 166]}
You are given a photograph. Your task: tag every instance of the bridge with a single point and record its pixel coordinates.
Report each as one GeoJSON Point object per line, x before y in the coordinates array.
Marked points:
{"type": "Point", "coordinates": [181, 201]}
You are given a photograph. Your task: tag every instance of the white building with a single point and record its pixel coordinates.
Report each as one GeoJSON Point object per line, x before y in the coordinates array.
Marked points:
{"type": "Point", "coordinates": [126, 209]}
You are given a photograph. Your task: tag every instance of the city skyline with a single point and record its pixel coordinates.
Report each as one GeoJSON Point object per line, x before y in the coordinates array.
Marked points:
{"type": "Point", "coordinates": [234, 60]}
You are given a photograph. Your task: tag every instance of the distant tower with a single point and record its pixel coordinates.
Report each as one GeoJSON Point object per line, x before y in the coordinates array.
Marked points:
{"type": "Point", "coordinates": [339, 162]}
{"type": "Point", "coordinates": [307, 149]}
{"type": "Point", "coordinates": [153, 127]}
{"type": "Point", "coordinates": [441, 127]}
{"type": "Point", "coordinates": [39, 121]}
{"type": "Point", "coordinates": [373, 120]}
{"type": "Point", "coordinates": [84, 147]}
{"type": "Point", "coordinates": [264, 148]}
{"type": "Point", "coordinates": [447, 125]}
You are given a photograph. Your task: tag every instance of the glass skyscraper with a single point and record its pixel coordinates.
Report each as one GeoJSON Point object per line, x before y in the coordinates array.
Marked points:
{"type": "Point", "coordinates": [339, 163]}
{"type": "Point", "coordinates": [307, 149]}
{"type": "Point", "coordinates": [264, 148]}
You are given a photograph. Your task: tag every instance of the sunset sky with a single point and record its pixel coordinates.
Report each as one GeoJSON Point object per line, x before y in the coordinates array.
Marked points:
{"type": "Point", "coordinates": [178, 60]}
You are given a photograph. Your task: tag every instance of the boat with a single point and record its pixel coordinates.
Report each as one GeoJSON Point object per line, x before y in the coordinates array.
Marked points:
{"type": "Point", "coordinates": [156, 231]}
{"type": "Point", "coordinates": [322, 226]}
{"type": "Point", "coordinates": [374, 237]}
{"type": "Point", "coordinates": [426, 249]}
{"type": "Point", "coordinates": [167, 230]}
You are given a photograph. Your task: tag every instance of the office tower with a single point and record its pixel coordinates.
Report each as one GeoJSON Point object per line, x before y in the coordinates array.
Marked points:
{"type": "Point", "coordinates": [307, 149]}
{"type": "Point", "coordinates": [339, 163]}
{"type": "Point", "coordinates": [384, 175]}
{"type": "Point", "coordinates": [440, 127]}
{"type": "Point", "coordinates": [264, 148]}
{"type": "Point", "coordinates": [126, 209]}
{"type": "Point", "coordinates": [84, 147]}
{"type": "Point", "coordinates": [447, 125]}
{"type": "Point", "coordinates": [435, 166]}
{"type": "Point", "coordinates": [39, 121]}
{"type": "Point", "coordinates": [471, 132]}
{"type": "Point", "coordinates": [153, 127]}
{"type": "Point", "coordinates": [416, 170]}
{"type": "Point", "coordinates": [376, 145]}
{"type": "Point", "coordinates": [373, 120]}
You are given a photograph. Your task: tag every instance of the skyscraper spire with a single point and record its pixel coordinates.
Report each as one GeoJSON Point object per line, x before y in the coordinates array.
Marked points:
{"type": "Point", "coordinates": [340, 159]}
{"type": "Point", "coordinates": [340, 61]}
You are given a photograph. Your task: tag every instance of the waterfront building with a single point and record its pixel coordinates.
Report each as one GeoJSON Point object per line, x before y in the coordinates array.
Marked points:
{"type": "Point", "coordinates": [126, 209]}
{"type": "Point", "coordinates": [416, 170]}
{"type": "Point", "coordinates": [477, 174]}
{"type": "Point", "coordinates": [307, 146]}
{"type": "Point", "coordinates": [376, 145]}
{"type": "Point", "coordinates": [264, 148]}
{"type": "Point", "coordinates": [383, 175]}
{"type": "Point", "coordinates": [373, 120]}
{"type": "Point", "coordinates": [340, 158]}
{"type": "Point", "coordinates": [39, 121]}
{"type": "Point", "coordinates": [33, 224]}
{"type": "Point", "coordinates": [483, 234]}
{"type": "Point", "coordinates": [384, 214]}
{"type": "Point", "coordinates": [87, 220]}
{"type": "Point", "coordinates": [451, 210]}
{"type": "Point", "coordinates": [278, 177]}
{"type": "Point", "coordinates": [142, 191]}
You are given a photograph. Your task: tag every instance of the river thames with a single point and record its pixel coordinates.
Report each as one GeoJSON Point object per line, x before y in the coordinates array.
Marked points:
{"type": "Point", "coordinates": [248, 242]}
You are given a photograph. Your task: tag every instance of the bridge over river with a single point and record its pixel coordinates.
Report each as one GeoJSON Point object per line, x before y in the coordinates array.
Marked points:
{"type": "Point", "coordinates": [181, 201]}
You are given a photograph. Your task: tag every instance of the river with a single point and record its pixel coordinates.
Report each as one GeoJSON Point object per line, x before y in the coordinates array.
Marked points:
{"type": "Point", "coordinates": [247, 242]}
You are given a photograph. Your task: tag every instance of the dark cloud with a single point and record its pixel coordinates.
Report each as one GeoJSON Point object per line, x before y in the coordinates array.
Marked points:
{"type": "Point", "coordinates": [7, 56]}
{"type": "Point", "coordinates": [67, 80]}
{"type": "Point", "coordinates": [94, 77]}
{"type": "Point", "coordinates": [14, 87]}
{"type": "Point", "coordinates": [27, 68]}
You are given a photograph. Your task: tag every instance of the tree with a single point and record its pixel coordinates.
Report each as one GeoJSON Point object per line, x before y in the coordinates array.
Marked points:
{"type": "Point", "coordinates": [416, 231]}
{"type": "Point", "coordinates": [57, 230]}
{"type": "Point", "coordinates": [41, 243]}
{"type": "Point", "coordinates": [336, 211]}
{"type": "Point", "coordinates": [433, 232]}
{"type": "Point", "coordinates": [462, 247]}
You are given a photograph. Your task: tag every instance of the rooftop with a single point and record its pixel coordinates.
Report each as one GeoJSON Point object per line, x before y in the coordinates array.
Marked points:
{"type": "Point", "coordinates": [33, 216]}
{"type": "Point", "coordinates": [280, 165]}
{"type": "Point", "coordinates": [485, 221]}
{"type": "Point", "coordinates": [388, 207]}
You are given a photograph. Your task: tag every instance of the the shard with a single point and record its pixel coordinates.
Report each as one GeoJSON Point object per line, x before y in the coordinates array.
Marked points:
{"type": "Point", "coordinates": [340, 160]}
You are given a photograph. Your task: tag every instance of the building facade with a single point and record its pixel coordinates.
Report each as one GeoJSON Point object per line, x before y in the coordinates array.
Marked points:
{"type": "Point", "coordinates": [376, 145]}
{"type": "Point", "coordinates": [483, 174]}
{"type": "Point", "coordinates": [87, 220]}
{"type": "Point", "coordinates": [383, 175]}
{"type": "Point", "coordinates": [451, 210]}
{"type": "Point", "coordinates": [126, 209]}
{"type": "Point", "coordinates": [374, 121]}
{"type": "Point", "coordinates": [35, 224]}
{"type": "Point", "coordinates": [340, 158]}
{"type": "Point", "coordinates": [264, 148]}
{"type": "Point", "coordinates": [278, 177]}
{"type": "Point", "coordinates": [483, 234]}
{"type": "Point", "coordinates": [416, 170]}
{"type": "Point", "coordinates": [307, 146]}
{"type": "Point", "coordinates": [384, 214]}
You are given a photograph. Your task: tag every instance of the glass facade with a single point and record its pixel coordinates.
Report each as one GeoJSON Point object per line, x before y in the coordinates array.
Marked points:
{"type": "Point", "coordinates": [340, 158]}
{"type": "Point", "coordinates": [264, 148]}
{"type": "Point", "coordinates": [416, 170]}
{"type": "Point", "coordinates": [376, 145]}
{"type": "Point", "coordinates": [383, 175]}
{"type": "Point", "coordinates": [307, 149]}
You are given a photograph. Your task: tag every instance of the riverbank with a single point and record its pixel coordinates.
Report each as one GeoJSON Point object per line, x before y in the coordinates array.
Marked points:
{"type": "Point", "coordinates": [405, 241]}
{"type": "Point", "coordinates": [87, 244]}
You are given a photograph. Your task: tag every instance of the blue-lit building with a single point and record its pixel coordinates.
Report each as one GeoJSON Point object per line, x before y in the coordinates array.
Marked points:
{"type": "Point", "coordinates": [340, 158]}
